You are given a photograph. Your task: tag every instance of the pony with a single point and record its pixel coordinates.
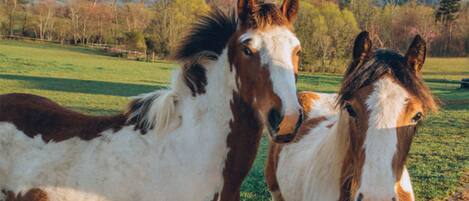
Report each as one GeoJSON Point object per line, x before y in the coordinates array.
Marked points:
{"type": "Point", "coordinates": [353, 145]}
{"type": "Point", "coordinates": [195, 140]}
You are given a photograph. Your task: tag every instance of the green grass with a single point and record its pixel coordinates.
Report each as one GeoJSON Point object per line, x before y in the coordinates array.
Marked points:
{"type": "Point", "coordinates": [90, 81]}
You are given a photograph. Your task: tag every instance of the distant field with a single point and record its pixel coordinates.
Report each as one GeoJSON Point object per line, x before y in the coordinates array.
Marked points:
{"type": "Point", "coordinates": [89, 81]}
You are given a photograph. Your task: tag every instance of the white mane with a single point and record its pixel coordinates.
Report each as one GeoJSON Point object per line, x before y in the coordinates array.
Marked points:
{"type": "Point", "coordinates": [159, 109]}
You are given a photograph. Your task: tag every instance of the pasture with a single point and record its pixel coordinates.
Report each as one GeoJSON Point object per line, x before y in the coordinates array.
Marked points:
{"type": "Point", "coordinates": [89, 81]}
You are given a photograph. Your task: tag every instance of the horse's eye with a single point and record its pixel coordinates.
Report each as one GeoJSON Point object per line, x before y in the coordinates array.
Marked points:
{"type": "Point", "coordinates": [247, 51]}
{"type": "Point", "coordinates": [299, 52]}
{"type": "Point", "coordinates": [417, 117]}
{"type": "Point", "coordinates": [350, 110]}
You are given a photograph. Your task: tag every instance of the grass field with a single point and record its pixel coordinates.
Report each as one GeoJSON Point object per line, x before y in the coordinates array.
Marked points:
{"type": "Point", "coordinates": [91, 82]}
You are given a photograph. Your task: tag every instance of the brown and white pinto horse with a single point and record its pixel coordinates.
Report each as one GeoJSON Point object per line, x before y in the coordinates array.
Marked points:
{"type": "Point", "coordinates": [356, 152]}
{"type": "Point", "coordinates": [194, 141]}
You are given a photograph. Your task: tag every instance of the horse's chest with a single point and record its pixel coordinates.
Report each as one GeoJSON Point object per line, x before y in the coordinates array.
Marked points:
{"type": "Point", "coordinates": [316, 175]}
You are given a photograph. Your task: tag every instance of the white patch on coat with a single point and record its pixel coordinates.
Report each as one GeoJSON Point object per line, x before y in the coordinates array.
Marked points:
{"type": "Point", "coordinates": [184, 163]}
{"type": "Point", "coordinates": [309, 170]}
{"type": "Point", "coordinates": [276, 47]}
{"type": "Point", "coordinates": [324, 106]}
{"type": "Point", "coordinates": [385, 105]}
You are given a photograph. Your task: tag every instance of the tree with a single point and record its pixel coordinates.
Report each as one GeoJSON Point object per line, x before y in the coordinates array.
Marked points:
{"type": "Point", "coordinates": [326, 34]}
{"type": "Point", "coordinates": [411, 19]}
{"type": "Point", "coordinates": [62, 29]}
{"type": "Point", "coordinates": [465, 28]}
{"type": "Point", "coordinates": [136, 16]}
{"type": "Point", "coordinates": [10, 7]}
{"type": "Point", "coordinates": [447, 13]}
{"type": "Point", "coordinates": [342, 28]}
{"type": "Point", "coordinates": [43, 12]}
{"type": "Point", "coordinates": [135, 41]}
{"type": "Point", "coordinates": [311, 29]}
{"type": "Point", "coordinates": [171, 21]}
{"type": "Point", "coordinates": [224, 5]}
{"type": "Point", "coordinates": [151, 48]}
{"type": "Point", "coordinates": [364, 12]}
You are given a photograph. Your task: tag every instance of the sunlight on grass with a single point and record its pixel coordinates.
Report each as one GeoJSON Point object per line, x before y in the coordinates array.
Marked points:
{"type": "Point", "coordinates": [91, 82]}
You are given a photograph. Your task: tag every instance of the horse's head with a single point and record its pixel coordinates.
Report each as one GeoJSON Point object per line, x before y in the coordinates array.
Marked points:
{"type": "Point", "coordinates": [384, 98]}
{"type": "Point", "coordinates": [264, 52]}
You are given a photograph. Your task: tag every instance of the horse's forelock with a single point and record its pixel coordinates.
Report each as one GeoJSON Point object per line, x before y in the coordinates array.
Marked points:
{"type": "Point", "coordinates": [266, 16]}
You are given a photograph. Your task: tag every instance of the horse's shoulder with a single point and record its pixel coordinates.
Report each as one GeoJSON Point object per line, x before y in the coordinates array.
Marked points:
{"type": "Point", "coordinates": [307, 99]}
{"type": "Point", "coordinates": [317, 104]}
{"type": "Point", "coordinates": [36, 115]}
{"type": "Point", "coordinates": [318, 108]}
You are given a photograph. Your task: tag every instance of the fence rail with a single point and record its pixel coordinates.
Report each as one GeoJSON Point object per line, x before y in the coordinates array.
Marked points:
{"type": "Point", "coordinates": [116, 49]}
{"type": "Point", "coordinates": [105, 47]}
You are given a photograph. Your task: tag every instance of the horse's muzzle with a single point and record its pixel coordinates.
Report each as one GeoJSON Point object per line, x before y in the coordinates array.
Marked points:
{"type": "Point", "coordinates": [284, 129]}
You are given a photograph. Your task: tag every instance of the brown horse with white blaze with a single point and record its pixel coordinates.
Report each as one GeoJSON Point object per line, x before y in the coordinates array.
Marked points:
{"type": "Point", "coordinates": [196, 140]}
{"type": "Point", "coordinates": [353, 146]}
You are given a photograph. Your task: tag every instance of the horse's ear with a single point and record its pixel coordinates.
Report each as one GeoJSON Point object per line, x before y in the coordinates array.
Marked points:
{"type": "Point", "coordinates": [362, 46]}
{"type": "Point", "coordinates": [361, 51]}
{"type": "Point", "coordinates": [290, 9]}
{"type": "Point", "coordinates": [416, 54]}
{"type": "Point", "coordinates": [246, 8]}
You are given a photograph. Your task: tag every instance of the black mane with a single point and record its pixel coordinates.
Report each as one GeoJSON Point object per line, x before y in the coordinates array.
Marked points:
{"type": "Point", "coordinates": [209, 34]}
{"type": "Point", "coordinates": [385, 62]}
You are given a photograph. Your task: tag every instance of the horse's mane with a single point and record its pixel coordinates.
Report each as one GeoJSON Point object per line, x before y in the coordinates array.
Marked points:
{"type": "Point", "coordinates": [209, 35]}
{"type": "Point", "coordinates": [152, 111]}
{"type": "Point", "coordinates": [207, 39]}
{"type": "Point", "coordinates": [386, 62]}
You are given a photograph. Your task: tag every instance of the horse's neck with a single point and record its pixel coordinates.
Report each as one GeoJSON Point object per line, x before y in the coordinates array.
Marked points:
{"type": "Point", "coordinates": [244, 129]}
{"type": "Point", "coordinates": [328, 159]}
{"type": "Point", "coordinates": [218, 128]}
{"type": "Point", "coordinates": [220, 87]}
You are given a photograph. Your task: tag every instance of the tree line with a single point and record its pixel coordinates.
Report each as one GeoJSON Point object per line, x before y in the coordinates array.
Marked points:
{"type": "Point", "coordinates": [326, 28]}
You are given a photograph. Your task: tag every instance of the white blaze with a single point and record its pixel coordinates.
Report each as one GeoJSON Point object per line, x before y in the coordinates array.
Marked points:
{"type": "Point", "coordinates": [276, 48]}
{"type": "Point", "coordinates": [385, 105]}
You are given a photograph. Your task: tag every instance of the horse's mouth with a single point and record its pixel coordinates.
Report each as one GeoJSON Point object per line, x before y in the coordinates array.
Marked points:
{"type": "Point", "coordinates": [277, 138]}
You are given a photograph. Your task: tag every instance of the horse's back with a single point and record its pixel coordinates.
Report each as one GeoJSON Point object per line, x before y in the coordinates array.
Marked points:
{"type": "Point", "coordinates": [71, 167]}
{"type": "Point", "coordinates": [36, 115]}
{"type": "Point", "coordinates": [44, 147]}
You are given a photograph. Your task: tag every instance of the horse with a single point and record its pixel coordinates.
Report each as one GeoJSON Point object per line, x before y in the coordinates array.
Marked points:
{"type": "Point", "coordinates": [195, 140]}
{"type": "Point", "coordinates": [353, 145]}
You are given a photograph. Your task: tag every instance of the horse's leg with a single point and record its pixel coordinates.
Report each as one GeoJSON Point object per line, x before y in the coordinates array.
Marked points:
{"type": "Point", "coordinates": [271, 172]}
{"type": "Point", "coordinates": [229, 196]}
{"type": "Point", "coordinates": [276, 196]}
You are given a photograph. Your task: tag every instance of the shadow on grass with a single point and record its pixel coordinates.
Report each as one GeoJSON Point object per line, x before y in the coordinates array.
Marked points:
{"type": "Point", "coordinates": [83, 86]}
{"type": "Point", "coordinates": [94, 111]}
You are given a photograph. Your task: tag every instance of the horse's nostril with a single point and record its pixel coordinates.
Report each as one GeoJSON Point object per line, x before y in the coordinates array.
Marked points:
{"type": "Point", "coordinates": [360, 197]}
{"type": "Point", "coordinates": [274, 119]}
{"type": "Point", "coordinates": [284, 138]}
{"type": "Point", "coordinates": [393, 199]}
